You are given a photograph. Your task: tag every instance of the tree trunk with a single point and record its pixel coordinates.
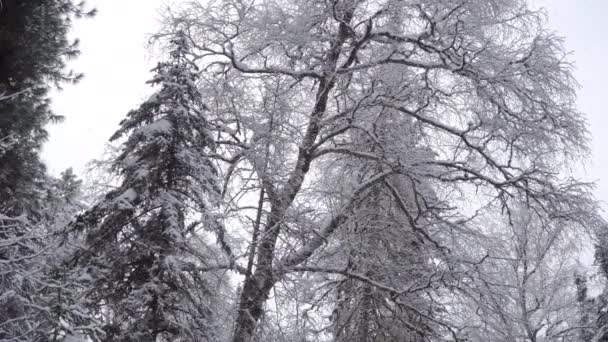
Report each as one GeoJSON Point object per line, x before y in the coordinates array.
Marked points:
{"type": "Point", "coordinates": [363, 326]}
{"type": "Point", "coordinates": [256, 287]}
{"type": "Point", "coordinates": [250, 311]}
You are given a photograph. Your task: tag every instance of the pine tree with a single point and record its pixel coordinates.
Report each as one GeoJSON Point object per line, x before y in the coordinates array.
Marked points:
{"type": "Point", "coordinates": [34, 48]}
{"type": "Point", "coordinates": [141, 243]}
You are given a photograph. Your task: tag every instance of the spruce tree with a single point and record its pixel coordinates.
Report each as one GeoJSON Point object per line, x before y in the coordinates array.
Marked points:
{"type": "Point", "coordinates": [141, 250]}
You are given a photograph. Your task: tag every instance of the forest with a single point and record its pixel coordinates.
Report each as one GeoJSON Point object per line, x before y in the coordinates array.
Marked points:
{"type": "Point", "coordinates": [320, 170]}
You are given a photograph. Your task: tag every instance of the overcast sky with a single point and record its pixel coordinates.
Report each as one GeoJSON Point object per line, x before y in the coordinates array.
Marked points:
{"type": "Point", "coordinates": [116, 66]}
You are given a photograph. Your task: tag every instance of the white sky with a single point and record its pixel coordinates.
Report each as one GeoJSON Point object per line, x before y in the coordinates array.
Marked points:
{"type": "Point", "coordinates": [116, 67]}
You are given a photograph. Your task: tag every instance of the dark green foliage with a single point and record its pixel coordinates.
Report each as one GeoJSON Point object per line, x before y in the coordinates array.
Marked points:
{"type": "Point", "coordinates": [141, 249]}
{"type": "Point", "coordinates": [34, 48]}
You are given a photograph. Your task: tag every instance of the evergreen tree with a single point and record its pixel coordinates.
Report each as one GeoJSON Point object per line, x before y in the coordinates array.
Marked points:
{"type": "Point", "coordinates": [364, 313]}
{"type": "Point", "coordinates": [61, 289]}
{"type": "Point", "coordinates": [141, 251]}
{"type": "Point", "coordinates": [34, 48]}
{"type": "Point", "coordinates": [384, 243]}
{"type": "Point", "coordinates": [40, 298]}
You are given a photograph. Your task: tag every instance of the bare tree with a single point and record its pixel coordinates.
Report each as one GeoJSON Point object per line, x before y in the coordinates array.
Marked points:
{"type": "Point", "coordinates": [476, 101]}
{"type": "Point", "coordinates": [525, 287]}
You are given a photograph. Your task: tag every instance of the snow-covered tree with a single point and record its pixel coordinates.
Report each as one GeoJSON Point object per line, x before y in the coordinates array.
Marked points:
{"type": "Point", "coordinates": [40, 298]}
{"type": "Point", "coordinates": [524, 287]}
{"type": "Point", "coordinates": [379, 244]}
{"type": "Point", "coordinates": [18, 253]}
{"type": "Point", "coordinates": [34, 49]}
{"type": "Point", "coordinates": [379, 247]}
{"type": "Point", "coordinates": [488, 95]}
{"type": "Point", "coordinates": [142, 254]}
{"type": "Point", "coordinates": [593, 311]}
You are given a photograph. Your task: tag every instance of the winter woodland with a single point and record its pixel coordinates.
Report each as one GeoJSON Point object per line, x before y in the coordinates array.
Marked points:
{"type": "Point", "coordinates": [321, 170]}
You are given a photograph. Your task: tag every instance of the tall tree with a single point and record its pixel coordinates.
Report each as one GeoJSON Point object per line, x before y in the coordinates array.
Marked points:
{"type": "Point", "coordinates": [142, 254]}
{"type": "Point", "coordinates": [380, 245]}
{"type": "Point", "coordinates": [486, 87]}
{"type": "Point", "coordinates": [34, 47]}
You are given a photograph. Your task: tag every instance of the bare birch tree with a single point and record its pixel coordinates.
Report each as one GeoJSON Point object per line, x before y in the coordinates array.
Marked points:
{"type": "Point", "coordinates": [476, 101]}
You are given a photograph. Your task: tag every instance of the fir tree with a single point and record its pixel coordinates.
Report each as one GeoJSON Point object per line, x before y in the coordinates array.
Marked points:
{"type": "Point", "coordinates": [141, 239]}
